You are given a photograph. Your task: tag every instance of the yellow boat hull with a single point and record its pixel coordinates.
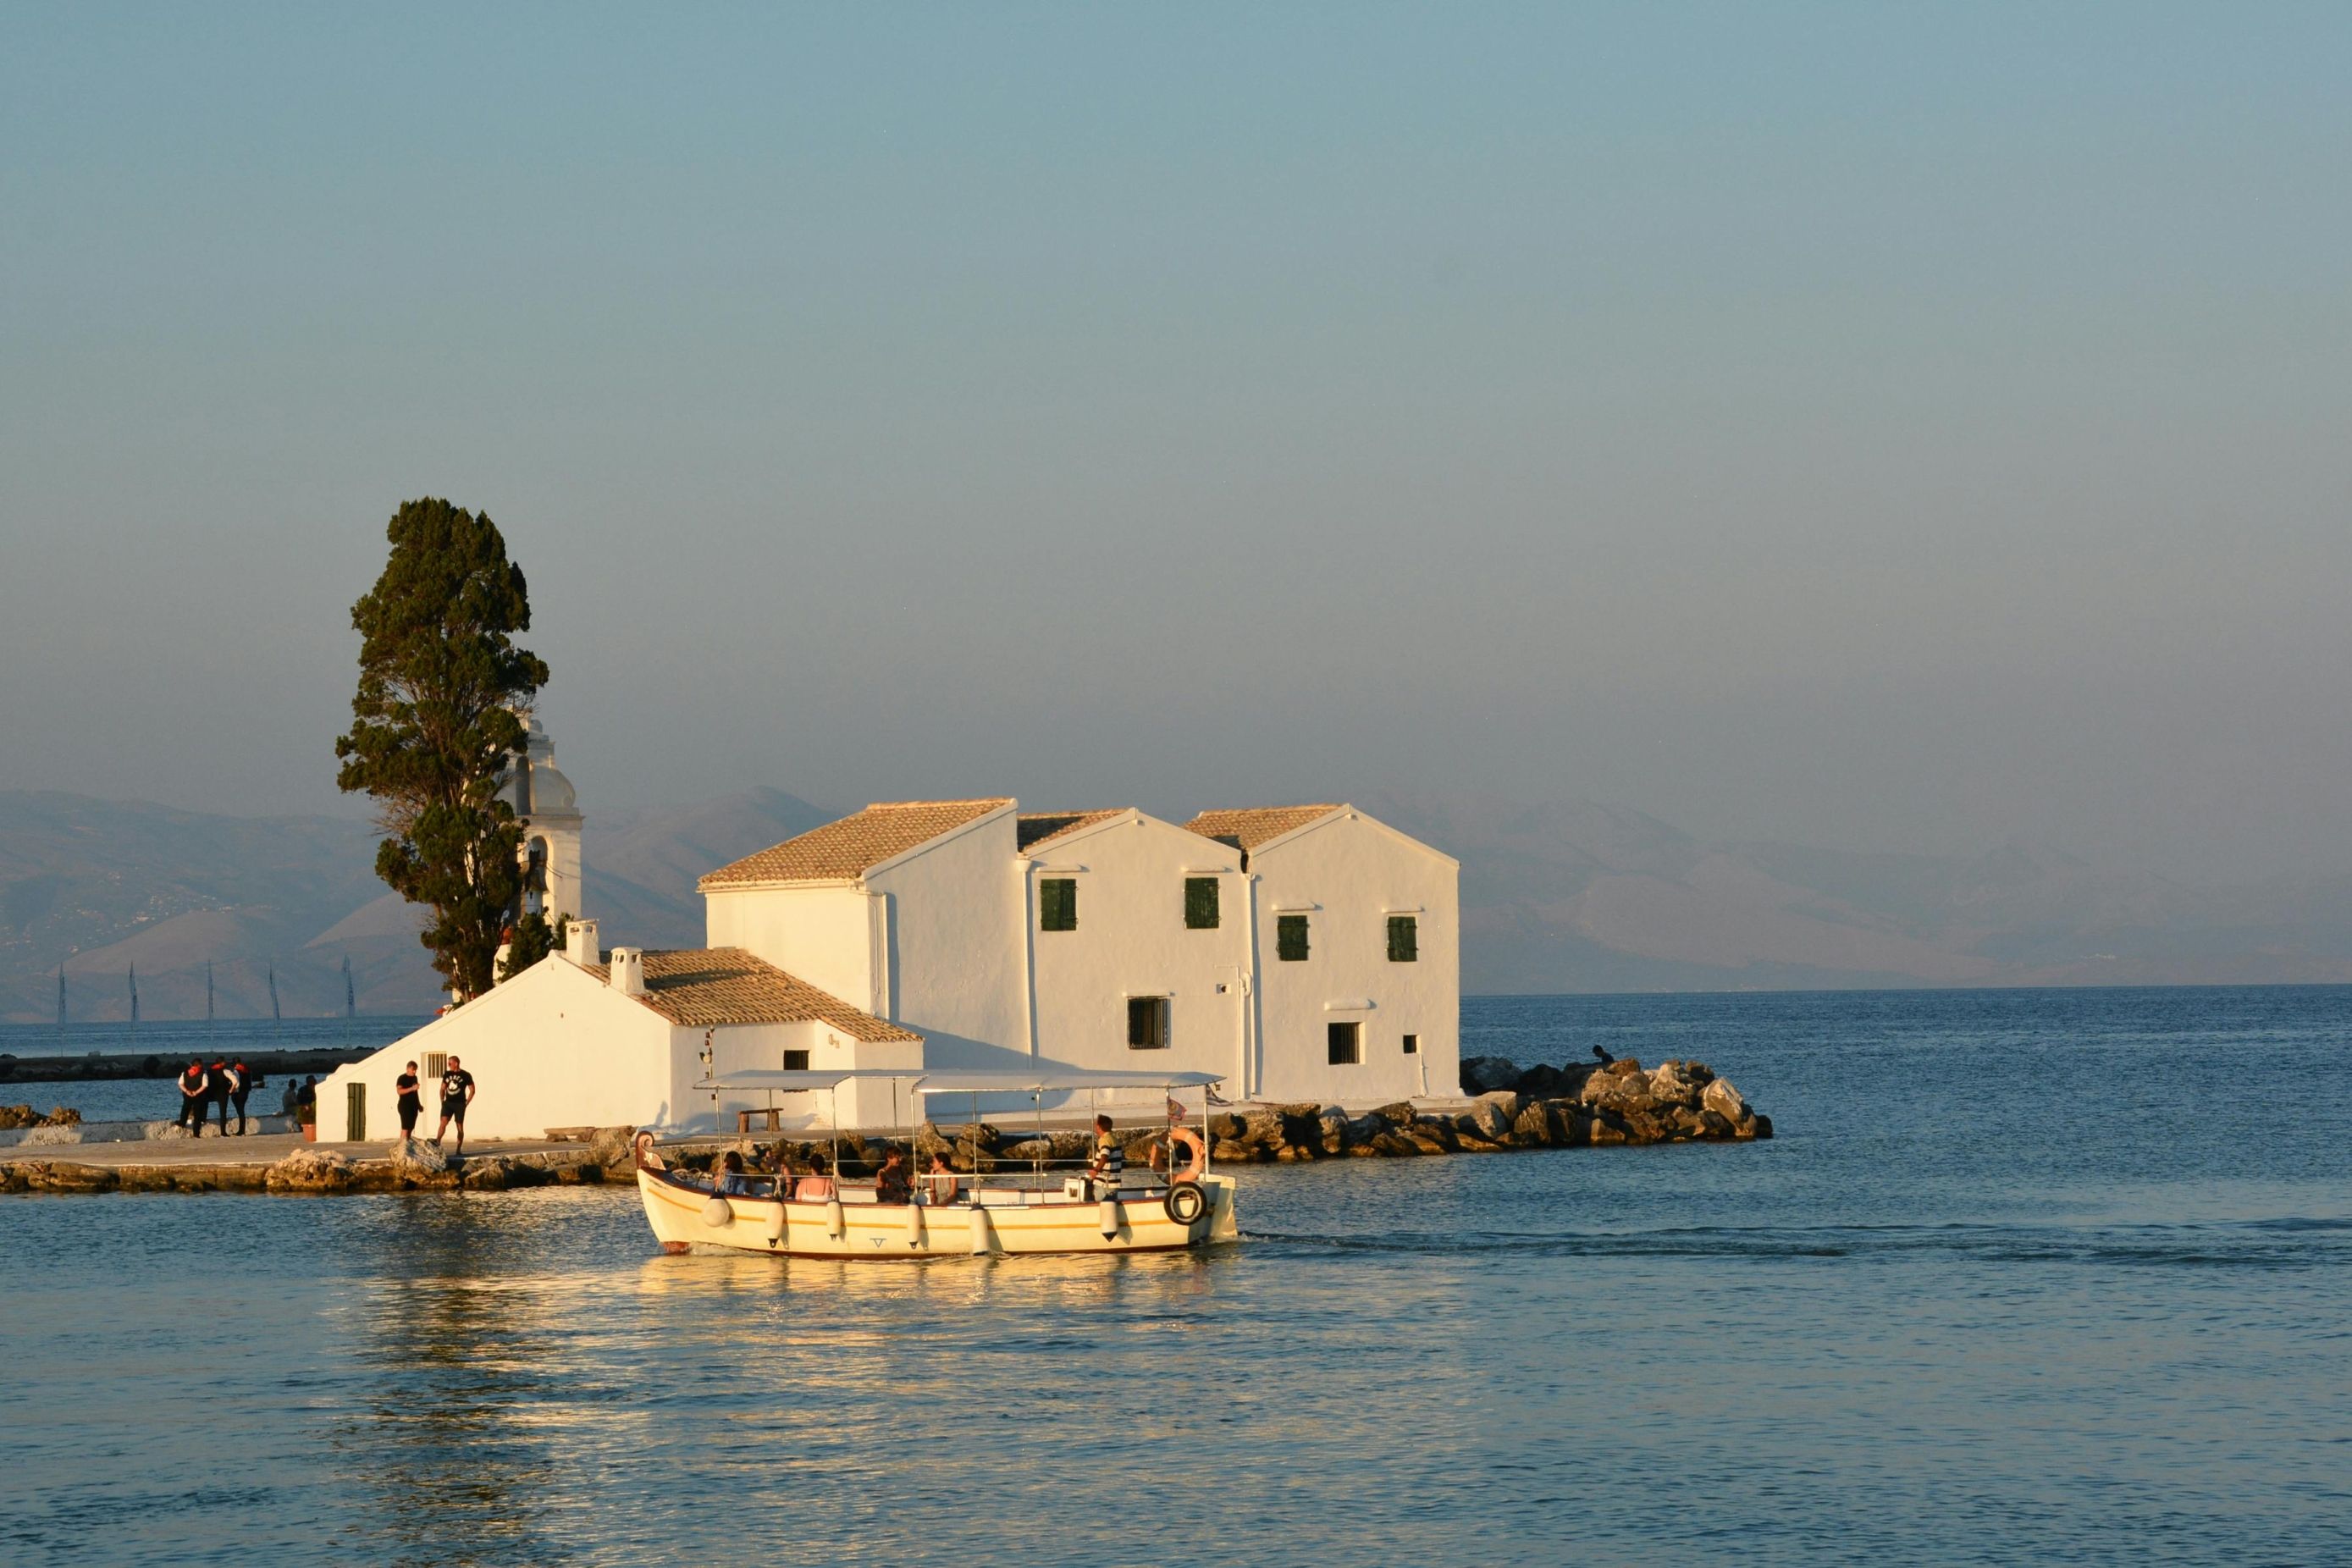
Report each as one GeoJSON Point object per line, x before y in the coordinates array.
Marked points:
{"type": "Point", "coordinates": [684, 1217]}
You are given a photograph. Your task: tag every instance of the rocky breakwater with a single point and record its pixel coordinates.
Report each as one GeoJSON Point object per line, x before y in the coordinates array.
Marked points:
{"type": "Point", "coordinates": [1512, 1108]}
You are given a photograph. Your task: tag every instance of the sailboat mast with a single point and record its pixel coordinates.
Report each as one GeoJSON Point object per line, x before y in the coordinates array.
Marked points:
{"type": "Point", "coordinates": [208, 990]}
{"type": "Point", "coordinates": [61, 995]}
{"type": "Point", "coordinates": [350, 998]}
{"type": "Point", "coordinates": [274, 1016]}
{"type": "Point", "coordinates": [134, 992]}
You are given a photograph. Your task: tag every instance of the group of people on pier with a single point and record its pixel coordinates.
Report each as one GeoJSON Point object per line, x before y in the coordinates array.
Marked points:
{"type": "Point", "coordinates": [214, 1088]}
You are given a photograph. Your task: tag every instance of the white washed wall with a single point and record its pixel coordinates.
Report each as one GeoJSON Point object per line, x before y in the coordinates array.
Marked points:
{"type": "Point", "coordinates": [826, 935]}
{"type": "Point", "coordinates": [953, 966]}
{"type": "Point", "coordinates": [1131, 940]}
{"type": "Point", "coordinates": [1358, 872]}
{"type": "Point", "coordinates": [554, 1046]}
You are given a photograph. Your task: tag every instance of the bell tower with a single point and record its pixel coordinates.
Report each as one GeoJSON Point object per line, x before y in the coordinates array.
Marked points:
{"type": "Point", "coordinates": [550, 811]}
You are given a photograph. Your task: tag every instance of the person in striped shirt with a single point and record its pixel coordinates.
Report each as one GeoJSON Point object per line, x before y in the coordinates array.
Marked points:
{"type": "Point", "coordinates": [1107, 1164]}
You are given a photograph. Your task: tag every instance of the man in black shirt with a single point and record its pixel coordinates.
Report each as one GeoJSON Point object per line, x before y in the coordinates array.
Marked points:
{"type": "Point", "coordinates": [456, 1093]}
{"type": "Point", "coordinates": [196, 1088]}
{"type": "Point", "coordinates": [218, 1073]}
{"type": "Point", "coordinates": [238, 1084]}
{"type": "Point", "coordinates": [411, 1105]}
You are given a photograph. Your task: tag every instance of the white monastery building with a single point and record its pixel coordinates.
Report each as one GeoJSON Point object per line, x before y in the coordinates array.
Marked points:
{"type": "Point", "coordinates": [1303, 953]}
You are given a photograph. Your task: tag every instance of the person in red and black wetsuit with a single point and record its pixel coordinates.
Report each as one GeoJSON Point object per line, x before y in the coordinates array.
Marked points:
{"type": "Point", "coordinates": [196, 1088]}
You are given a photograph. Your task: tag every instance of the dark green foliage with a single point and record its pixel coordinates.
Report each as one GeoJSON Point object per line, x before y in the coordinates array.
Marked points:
{"type": "Point", "coordinates": [437, 712]}
{"type": "Point", "coordinates": [1058, 903]}
{"type": "Point", "coordinates": [1290, 938]}
{"type": "Point", "coordinates": [1200, 903]}
{"type": "Point", "coordinates": [1405, 939]}
{"type": "Point", "coordinates": [534, 937]}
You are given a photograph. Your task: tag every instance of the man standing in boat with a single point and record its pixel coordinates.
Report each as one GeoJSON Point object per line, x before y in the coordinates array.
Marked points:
{"type": "Point", "coordinates": [456, 1093]}
{"type": "Point", "coordinates": [1106, 1166]}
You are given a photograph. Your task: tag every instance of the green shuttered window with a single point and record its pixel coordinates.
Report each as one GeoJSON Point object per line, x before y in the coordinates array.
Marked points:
{"type": "Point", "coordinates": [1405, 939]}
{"type": "Point", "coordinates": [1058, 903]}
{"type": "Point", "coordinates": [1200, 903]}
{"type": "Point", "coordinates": [1290, 938]}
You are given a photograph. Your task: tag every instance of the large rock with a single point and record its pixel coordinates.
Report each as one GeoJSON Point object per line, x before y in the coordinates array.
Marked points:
{"type": "Point", "coordinates": [45, 1176]}
{"type": "Point", "coordinates": [1482, 1074]}
{"type": "Point", "coordinates": [165, 1131]}
{"type": "Point", "coordinates": [309, 1170]}
{"type": "Point", "coordinates": [1533, 1128]}
{"type": "Point", "coordinates": [1492, 1114]}
{"type": "Point", "coordinates": [416, 1160]}
{"type": "Point", "coordinates": [1725, 1101]}
{"type": "Point", "coordinates": [613, 1145]}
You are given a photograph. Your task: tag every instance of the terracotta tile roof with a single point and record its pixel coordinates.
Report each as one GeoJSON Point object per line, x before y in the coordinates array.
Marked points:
{"type": "Point", "coordinates": [1038, 827]}
{"type": "Point", "coordinates": [1250, 826]}
{"type": "Point", "coordinates": [702, 986]}
{"type": "Point", "coordinates": [845, 850]}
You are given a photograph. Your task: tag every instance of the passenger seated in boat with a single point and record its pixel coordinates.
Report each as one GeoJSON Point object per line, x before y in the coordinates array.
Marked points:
{"type": "Point", "coordinates": [1107, 1164]}
{"type": "Point", "coordinates": [729, 1178]}
{"type": "Point", "coordinates": [941, 1182]}
{"type": "Point", "coordinates": [893, 1184]}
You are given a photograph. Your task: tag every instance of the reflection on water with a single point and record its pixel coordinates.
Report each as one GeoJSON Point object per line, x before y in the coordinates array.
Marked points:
{"type": "Point", "coordinates": [1940, 1320]}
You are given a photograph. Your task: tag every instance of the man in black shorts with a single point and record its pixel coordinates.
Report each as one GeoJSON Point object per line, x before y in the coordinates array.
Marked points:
{"type": "Point", "coordinates": [456, 1093]}
{"type": "Point", "coordinates": [411, 1105]}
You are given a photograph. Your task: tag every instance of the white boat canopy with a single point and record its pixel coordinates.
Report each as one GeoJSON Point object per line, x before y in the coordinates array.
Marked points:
{"type": "Point", "coordinates": [1044, 1078]}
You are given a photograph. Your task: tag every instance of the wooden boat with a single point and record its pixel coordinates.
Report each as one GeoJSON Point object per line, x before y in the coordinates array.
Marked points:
{"type": "Point", "coordinates": [1012, 1214]}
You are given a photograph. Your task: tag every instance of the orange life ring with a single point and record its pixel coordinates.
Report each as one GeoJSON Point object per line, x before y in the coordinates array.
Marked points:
{"type": "Point", "coordinates": [1196, 1155]}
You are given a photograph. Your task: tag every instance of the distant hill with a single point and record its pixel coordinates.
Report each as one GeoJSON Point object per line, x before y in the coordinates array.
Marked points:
{"type": "Point", "coordinates": [102, 885]}
{"type": "Point", "coordinates": [1598, 898]}
{"type": "Point", "coordinates": [1572, 897]}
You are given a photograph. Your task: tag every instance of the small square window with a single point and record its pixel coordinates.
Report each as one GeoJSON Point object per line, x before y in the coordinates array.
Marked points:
{"type": "Point", "coordinates": [1405, 939]}
{"type": "Point", "coordinates": [1200, 903]}
{"type": "Point", "coordinates": [1412, 1045]}
{"type": "Point", "coordinates": [1147, 1023]}
{"type": "Point", "coordinates": [1058, 903]}
{"type": "Point", "coordinates": [1290, 938]}
{"type": "Point", "coordinates": [796, 1061]}
{"type": "Point", "coordinates": [1347, 1043]}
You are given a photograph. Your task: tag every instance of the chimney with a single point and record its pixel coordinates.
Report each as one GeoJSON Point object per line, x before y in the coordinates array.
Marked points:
{"type": "Point", "coordinates": [580, 943]}
{"type": "Point", "coordinates": [629, 971]}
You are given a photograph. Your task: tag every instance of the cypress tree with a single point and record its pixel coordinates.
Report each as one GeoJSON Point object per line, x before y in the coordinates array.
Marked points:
{"type": "Point", "coordinates": [442, 691]}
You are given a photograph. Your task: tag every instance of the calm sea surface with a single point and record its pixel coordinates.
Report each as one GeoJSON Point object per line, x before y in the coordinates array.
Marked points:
{"type": "Point", "coordinates": [2059, 1275]}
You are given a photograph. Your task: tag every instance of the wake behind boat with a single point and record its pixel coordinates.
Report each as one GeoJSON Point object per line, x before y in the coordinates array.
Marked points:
{"type": "Point", "coordinates": [1044, 1210]}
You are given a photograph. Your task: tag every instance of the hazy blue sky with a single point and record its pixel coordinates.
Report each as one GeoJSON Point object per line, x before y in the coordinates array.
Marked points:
{"type": "Point", "coordinates": [1888, 426]}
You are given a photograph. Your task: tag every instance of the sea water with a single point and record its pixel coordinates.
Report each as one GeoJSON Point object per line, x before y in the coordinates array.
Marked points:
{"type": "Point", "coordinates": [2026, 1277]}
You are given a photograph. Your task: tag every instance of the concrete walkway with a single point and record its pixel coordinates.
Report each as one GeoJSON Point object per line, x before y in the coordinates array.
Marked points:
{"type": "Point", "coordinates": [257, 1149]}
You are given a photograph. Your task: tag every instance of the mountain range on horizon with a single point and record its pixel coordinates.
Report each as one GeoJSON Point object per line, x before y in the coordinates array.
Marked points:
{"type": "Point", "coordinates": [1556, 898]}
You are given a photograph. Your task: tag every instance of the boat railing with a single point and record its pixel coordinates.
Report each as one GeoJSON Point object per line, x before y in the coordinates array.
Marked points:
{"type": "Point", "coordinates": [940, 1189]}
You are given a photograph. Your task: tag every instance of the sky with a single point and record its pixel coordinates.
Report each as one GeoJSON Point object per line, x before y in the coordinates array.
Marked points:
{"type": "Point", "coordinates": [1884, 428]}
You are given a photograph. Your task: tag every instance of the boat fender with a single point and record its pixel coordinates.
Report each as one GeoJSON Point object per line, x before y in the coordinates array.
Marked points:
{"type": "Point", "coordinates": [1107, 1217]}
{"type": "Point", "coordinates": [1185, 1201]}
{"type": "Point", "coordinates": [835, 1224]}
{"type": "Point", "coordinates": [717, 1212]}
{"type": "Point", "coordinates": [915, 1225]}
{"type": "Point", "coordinates": [776, 1223]}
{"type": "Point", "coordinates": [982, 1241]}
